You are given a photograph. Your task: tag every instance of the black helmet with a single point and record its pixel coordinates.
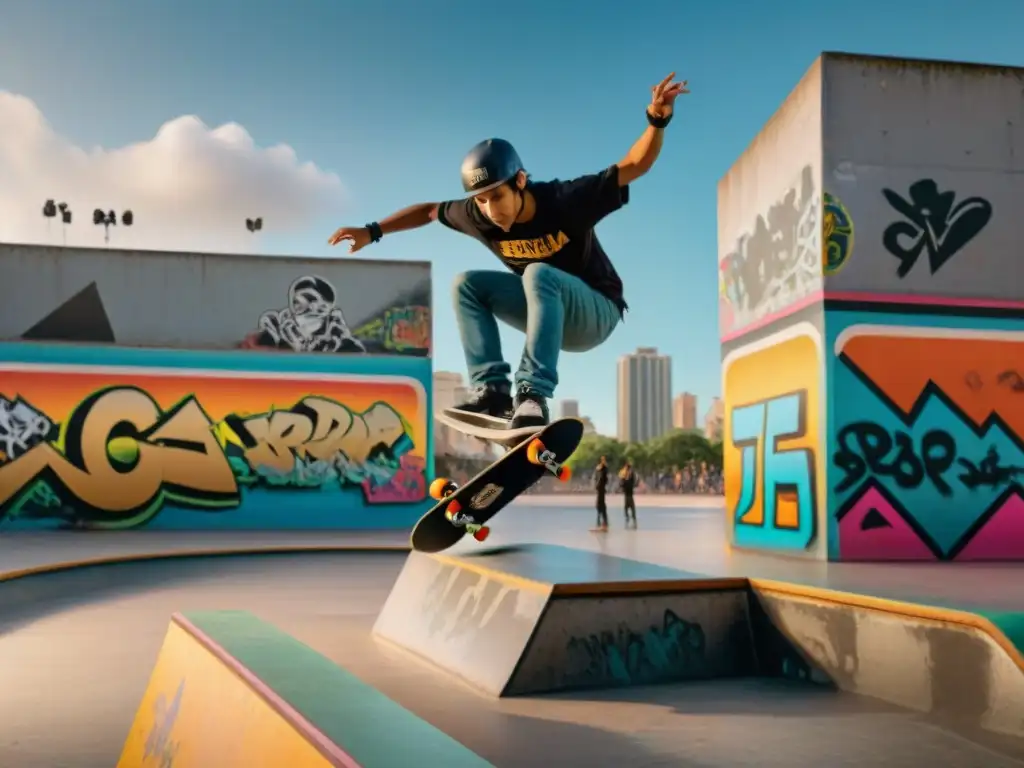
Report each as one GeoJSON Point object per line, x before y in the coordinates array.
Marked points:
{"type": "Point", "coordinates": [488, 165]}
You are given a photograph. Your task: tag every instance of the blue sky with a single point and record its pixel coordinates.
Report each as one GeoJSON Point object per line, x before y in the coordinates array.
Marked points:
{"type": "Point", "coordinates": [390, 95]}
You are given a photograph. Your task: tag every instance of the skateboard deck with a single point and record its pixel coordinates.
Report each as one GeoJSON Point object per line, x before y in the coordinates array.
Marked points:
{"type": "Point", "coordinates": [468, 508]}
{"type": "Point", "coordinates": [500, 435]}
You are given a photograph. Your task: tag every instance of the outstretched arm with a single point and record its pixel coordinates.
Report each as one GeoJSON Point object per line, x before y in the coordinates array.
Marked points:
{"type": "Point", "coordinates": [413, 217]}
{"type": "Point", "coordinates": [642, 155]}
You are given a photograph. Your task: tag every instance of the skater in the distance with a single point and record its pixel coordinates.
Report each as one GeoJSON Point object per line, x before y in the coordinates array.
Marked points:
{"type": "Point", "coordinates": [627, 484]}
{"type": "Point", "coordinates": [561, 289]}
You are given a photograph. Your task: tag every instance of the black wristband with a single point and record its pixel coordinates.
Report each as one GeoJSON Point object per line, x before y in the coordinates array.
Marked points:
{"type": "Point", "coordinates": [658, 122]}
{"type": "Point", "coordinates": [375, 232]}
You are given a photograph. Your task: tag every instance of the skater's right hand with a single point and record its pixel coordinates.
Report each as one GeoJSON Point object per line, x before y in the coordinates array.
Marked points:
{"type": "Point", "coordinates": [359, 237]}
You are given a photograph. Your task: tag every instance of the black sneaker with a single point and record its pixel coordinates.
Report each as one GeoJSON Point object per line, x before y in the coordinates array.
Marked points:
{"type": "Point", "coordinates": [488, 405]}
{"type": "Point", "coordinates": [531, 411]}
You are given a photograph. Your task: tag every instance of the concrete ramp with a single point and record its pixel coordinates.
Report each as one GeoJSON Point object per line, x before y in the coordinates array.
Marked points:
{"type": "Point", "coordinates": [539, 618]}
{"type": "Point", "coordinates": [929, 659]}
{"type": "Point", "coordinates": [544, 618]}
{"type": "Point", "coordinates": [231, 690]}
{"type": "Point", "coordinates": [472, 621]}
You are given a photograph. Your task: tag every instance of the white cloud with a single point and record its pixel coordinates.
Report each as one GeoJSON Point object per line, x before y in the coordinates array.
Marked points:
{"type": "Point", "coordinates": [190, 187]}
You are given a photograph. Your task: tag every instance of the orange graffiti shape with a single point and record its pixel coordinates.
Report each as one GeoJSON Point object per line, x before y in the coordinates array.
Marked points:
{"type": "Point", "coordinates": [982, 376]}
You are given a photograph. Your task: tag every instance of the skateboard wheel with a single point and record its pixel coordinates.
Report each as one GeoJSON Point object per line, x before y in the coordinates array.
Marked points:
{"type": "Point", "coordinates": [534, 450]}
{"type": "Point", "coordinates": [442, 487]}
{"type": "Point", "coordinates": [482, 533]}
{"type": "Point", "coordinates": [564, 474]}
{"type": "Point", "coordinates": [453, 509]}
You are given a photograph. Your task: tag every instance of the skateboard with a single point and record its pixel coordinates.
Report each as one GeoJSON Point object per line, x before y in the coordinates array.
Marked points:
{"type": "Point", "coordinates": [462, 510]}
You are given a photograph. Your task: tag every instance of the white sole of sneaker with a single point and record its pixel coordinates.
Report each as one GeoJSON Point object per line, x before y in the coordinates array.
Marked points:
{"type": "Point", "coordinates": [501, 435]}
{"type": "Point", "coordinates": [479, 419]}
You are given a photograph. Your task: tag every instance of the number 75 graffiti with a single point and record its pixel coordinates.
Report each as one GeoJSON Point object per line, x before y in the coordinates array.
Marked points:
{"type": "Point", "coordinates": [785, 475]}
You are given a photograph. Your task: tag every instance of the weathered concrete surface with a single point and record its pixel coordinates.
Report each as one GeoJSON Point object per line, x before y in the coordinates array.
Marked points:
{"type": "Point", "coordinates": [201, 300]}
{"type": "Point", "coordinates": [595, 642]}
{"type": "Point", "coordinates": [940, 667]}
{"type": "Point", "coordinates": [769, 217]}
{"type": "Point", "coordinates": [495, 621]}
{"type": "Point", "coordinates": [944, 137]}
{"type": "Point", "coordinates": [472, 623]}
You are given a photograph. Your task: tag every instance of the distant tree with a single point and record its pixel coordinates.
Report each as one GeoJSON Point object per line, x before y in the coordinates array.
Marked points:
{"type": "Point", "coordinates": [592, 448]}
{"type": "Point", "coordinates": [663, 454]}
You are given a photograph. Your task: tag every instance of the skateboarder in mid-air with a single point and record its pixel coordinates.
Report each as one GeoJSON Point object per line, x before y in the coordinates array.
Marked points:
{"type": "Point", "coordinates": [561, 291]}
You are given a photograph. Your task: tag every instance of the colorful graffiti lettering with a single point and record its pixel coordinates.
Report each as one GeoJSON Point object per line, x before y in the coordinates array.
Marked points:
{"type": "Point", "coordinates": [673, 651]}
{"type": "Point", "coordinates": [771, 441]}
{"type": "Point", "coordinates": [401, 329]}
{"type": "Point", "coordinates": [927, 459]}
{"type": "Point", "coordinates": [119, 457]}
{"type": "Point", "coordinates": [314, 442]}
{"type": "Point", "coordinates": [782, 477]}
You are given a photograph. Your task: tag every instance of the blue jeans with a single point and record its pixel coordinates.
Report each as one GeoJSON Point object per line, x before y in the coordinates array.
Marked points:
{"type": "Point", "coordinates": [554, 309]}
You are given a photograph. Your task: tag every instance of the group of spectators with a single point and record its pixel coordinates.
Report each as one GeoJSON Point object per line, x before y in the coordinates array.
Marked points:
{"type": "Point", "coordinates": [693, 478]}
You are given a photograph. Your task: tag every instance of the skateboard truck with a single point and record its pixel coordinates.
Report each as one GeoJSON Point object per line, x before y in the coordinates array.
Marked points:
{"type": "Point", "coordinates": [536, 453]}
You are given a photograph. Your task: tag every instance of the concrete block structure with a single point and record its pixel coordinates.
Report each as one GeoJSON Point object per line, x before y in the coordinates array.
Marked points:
{"type": "Point", "coordinates": [871, 284]}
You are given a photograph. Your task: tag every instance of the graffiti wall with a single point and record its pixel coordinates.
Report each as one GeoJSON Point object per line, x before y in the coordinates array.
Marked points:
{"type": "Point", "coordinates": [131, 438]}
{"type": "Point", "coordinates": [769, 218]}
{"type": "Point", "coordinates": [926, 440]}
{"type": "Point", "coordinates": [215, 301]}
{"type": "Point", "coordinates": [772, 446]}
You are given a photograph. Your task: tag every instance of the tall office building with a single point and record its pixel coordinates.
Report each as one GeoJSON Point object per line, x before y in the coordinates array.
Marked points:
{"type": "Point", "coordinates": [684, 411]}
{"type": "Point", "coordinates": [569, 409]}
{"type": "Point", "coordinates": [645, 395]}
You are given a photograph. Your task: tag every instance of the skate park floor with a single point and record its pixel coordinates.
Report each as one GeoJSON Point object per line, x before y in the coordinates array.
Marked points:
{"type": "Point", "coordinates": [77, 647]}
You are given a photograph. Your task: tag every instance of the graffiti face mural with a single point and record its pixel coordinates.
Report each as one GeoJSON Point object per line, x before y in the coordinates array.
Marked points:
{"type": "Point", "coordinates": [927, 455]}
{"type": "Point", "coordinates": [122, 449]}
{"type": "Point", "coordinates": [312, 321]}
{"type": "Point", "coordinates": [771, 446]}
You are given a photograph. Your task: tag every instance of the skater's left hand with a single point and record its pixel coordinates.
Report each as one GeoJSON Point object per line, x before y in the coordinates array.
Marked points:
{"type": "Point", "coordinates": [664, 94]}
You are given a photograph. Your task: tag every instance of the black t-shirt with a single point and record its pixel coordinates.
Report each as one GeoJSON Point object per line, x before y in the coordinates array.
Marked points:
{"type": "Point", "coordinates": [561, 232]}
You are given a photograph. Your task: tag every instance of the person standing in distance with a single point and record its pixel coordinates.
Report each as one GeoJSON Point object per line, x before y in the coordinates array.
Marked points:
{"type": "Point", "coordinates": [561, 289]}
{"type": "Point", "coordinates": [627, 484]}
{"type": "Point", "coordinates": [601, 486]}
